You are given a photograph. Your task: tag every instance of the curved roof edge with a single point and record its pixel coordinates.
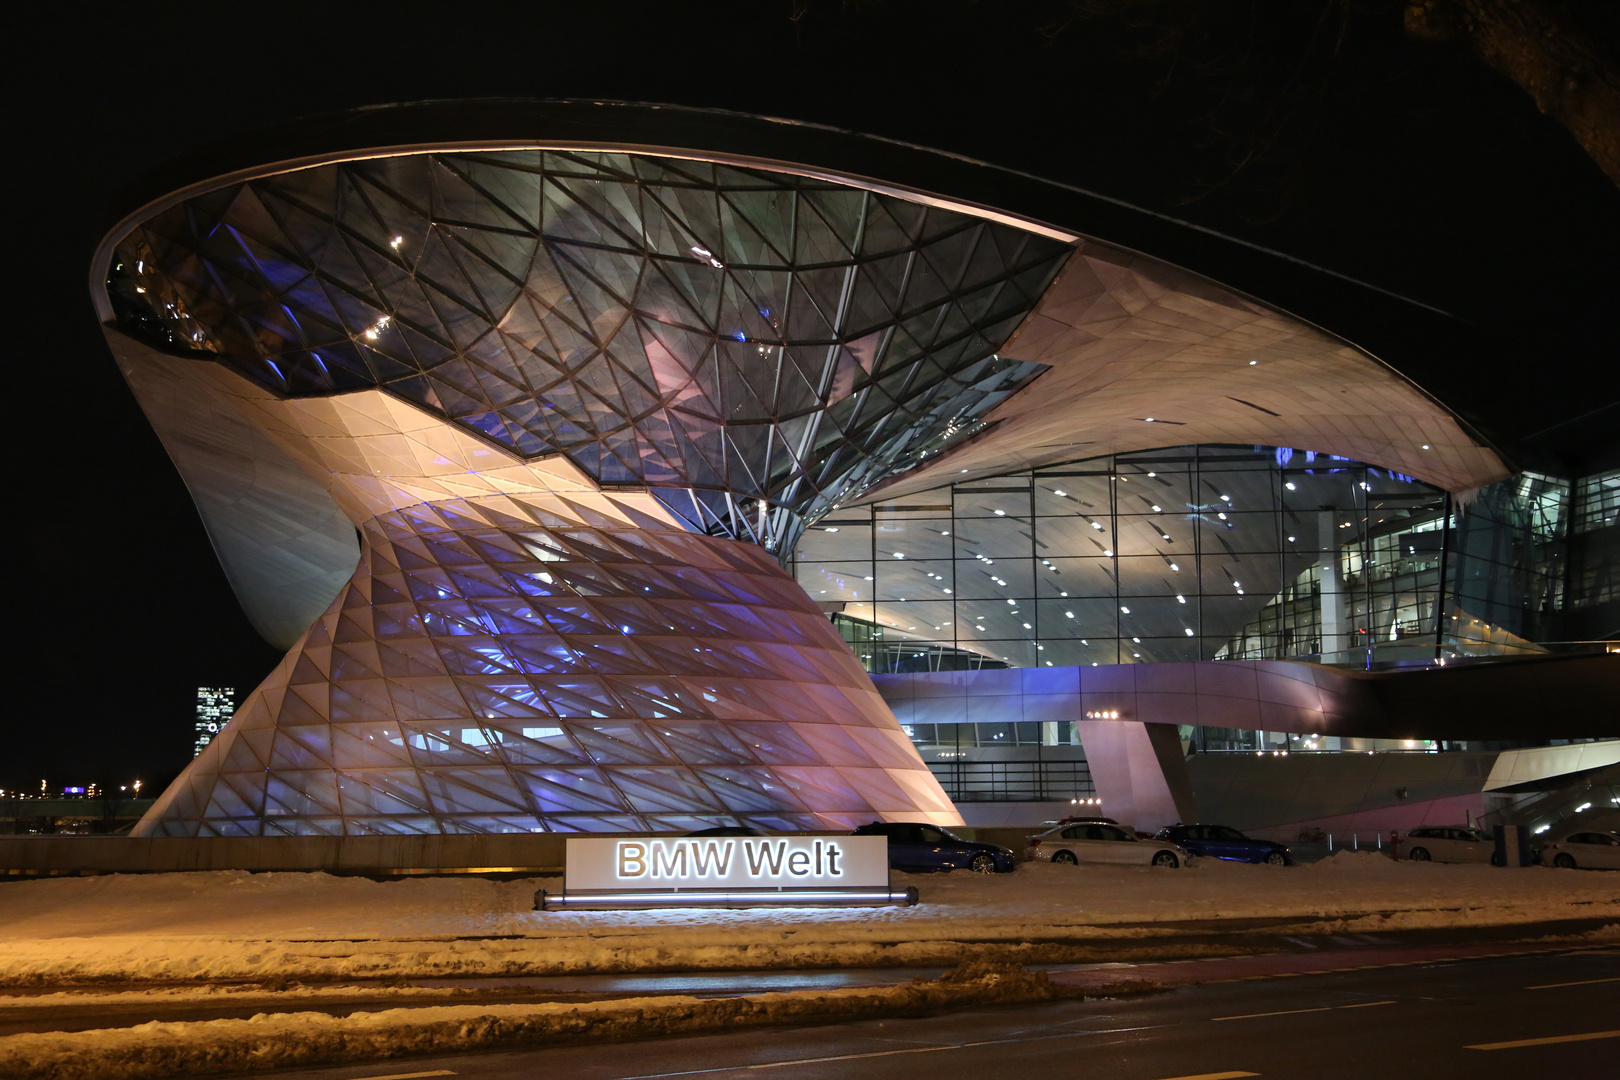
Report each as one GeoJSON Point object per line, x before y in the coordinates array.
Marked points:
{"type": "Point", "coordinates": [1427, 347]}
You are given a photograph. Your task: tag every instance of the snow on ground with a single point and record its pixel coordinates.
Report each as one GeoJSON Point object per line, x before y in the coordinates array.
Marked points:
{"type": "Point", "coordinates": [292, 1039]}
{"type": "Point", "coordinates": [238, 925]}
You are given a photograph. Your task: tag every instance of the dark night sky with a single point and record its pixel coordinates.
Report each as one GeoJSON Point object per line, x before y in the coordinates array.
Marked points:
{"type": "Point", "coordinates": [1409, 166]}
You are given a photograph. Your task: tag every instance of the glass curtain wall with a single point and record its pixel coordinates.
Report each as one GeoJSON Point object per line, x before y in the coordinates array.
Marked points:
{"type": "Point", "coordinates": [1187, 553]}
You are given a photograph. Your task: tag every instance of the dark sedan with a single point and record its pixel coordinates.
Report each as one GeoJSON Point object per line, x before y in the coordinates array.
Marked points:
{"type": "Point", "coordinates": [1224, 842]}
{"type": "Point", "coordinates": [915, 847]}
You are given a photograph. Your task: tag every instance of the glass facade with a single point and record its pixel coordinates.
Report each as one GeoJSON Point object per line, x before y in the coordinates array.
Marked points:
{"type": "Point", "coordinates": [1192, 553]}
{"type": "Point", "coordinates": [752, 346]}
{"type": "Point", "coordinates": [1164, 555]}
{"type": "Point", "coordinates": [1594, 556]}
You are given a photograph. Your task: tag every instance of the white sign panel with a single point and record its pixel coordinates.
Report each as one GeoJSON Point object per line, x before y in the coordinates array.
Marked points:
{"type": "Point", "coordinates": [622, 864]}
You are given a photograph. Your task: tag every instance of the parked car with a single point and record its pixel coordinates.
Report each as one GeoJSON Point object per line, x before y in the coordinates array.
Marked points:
{"type": "Point", "coordinates": [1225, 842]}
{"type": "Point", "coordinates": [915, 846]}
{"type": "Point", "coordinates": [1584, 851]}
{"type": "Point", "coordinates": [1450, 844]}
{"type": "Point", "coordinates": [1082, 818]}
{"type": "Point", "coordinates": [1098, 842]}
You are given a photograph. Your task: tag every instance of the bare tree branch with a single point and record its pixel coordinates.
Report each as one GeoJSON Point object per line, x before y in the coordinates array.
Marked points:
{"type": "Point", "coordinates": [1552, 49]}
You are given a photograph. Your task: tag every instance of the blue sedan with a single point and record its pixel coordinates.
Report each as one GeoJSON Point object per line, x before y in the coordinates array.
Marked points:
{"type": "Point", "coordinates": [914, 846]}
{"type": "Point", "coordinates": [1224, 842]}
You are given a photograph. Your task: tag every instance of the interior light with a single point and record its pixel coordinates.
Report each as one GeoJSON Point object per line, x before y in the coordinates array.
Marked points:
{"type": "Point", "coordinates": [1252, 363]}
{"type": "Point", "coordinates": [1426, 446]}
{"type": "Point", "coordinates": [1176, 568]}
{"type": "Point", "coordinates": [1153, 474]}
{"type": "Point", "coordinates": [1108, 554]}
{"type": "Point", "coordinates": [1013, 602]}
{"type": "Point", "coordinates": [396, 241]}
{"type": "Point", "coordinates": [899, 554]}
{"type": "Point", "coordinates": [1147, 419]}
{"type": "Point", "coordinates": [1095, 525]}
{"type": "Point", "coordinates": [1187, 631]}
{"type": "Point", "coordinates": [1126, 610]}
{"type": "Point", "coordinates": [1226, 498]}
{"type": "Point", "coordinates": [1158, 509]}
{"type": "Point", "coordinates": [1061, 494]}
{"type": "Point", "coordinates": [1001, 513]}
{"type": "Point", "coordinates": [1180, 599]}
{"type": "Point", "coordinates": [1290, 486]}
{"type": "Point", "coordinates": [832, 528]}
{"type": "Point", "coordinates": [1028, 627]}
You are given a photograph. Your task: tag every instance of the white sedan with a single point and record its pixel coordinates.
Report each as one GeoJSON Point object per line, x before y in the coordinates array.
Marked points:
{"type": "Point", "coordinates": [1449, 843]}
{"type": "Point", "coordinates": [1584, 850]}
{"type": "Point", "coordinates": [1096, 842]}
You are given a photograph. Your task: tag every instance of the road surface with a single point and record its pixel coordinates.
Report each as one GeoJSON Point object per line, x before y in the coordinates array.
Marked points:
{"type": "Point", "coordinates": [1541, 1014]}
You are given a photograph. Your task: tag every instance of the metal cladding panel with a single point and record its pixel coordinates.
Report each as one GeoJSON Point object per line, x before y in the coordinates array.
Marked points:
{"type": "Point", "coordinates": [530, 664]}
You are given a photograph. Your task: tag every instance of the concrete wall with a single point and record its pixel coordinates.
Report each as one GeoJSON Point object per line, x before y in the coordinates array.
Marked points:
{"type": "Point", "coordinates": [1275, 695]}
{"type": "Point", "coordinates": [1275, 797]}
{"type": "Point", "coordinates": [33, 855]}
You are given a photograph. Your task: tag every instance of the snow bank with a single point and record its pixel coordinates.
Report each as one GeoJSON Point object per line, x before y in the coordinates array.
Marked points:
{"type": "Point", "coordinates": [236, 925]}
{"type": "Point", "coordinates": [289, 1040]}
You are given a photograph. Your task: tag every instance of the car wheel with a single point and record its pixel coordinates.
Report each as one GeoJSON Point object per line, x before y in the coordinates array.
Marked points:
{"type": "Point", "coordinates": [1166, 858]}
{"type": "Point", "coordinates": [1065, 857]}
{"type": "Point", "coordinates": [1419, 854]}
{"type": "Point", "coordinates": [1564, 859]}
{"type": "Point", "coordinates": [1276, 858]}
{"type": "Point", "coordinates": [983, 864]}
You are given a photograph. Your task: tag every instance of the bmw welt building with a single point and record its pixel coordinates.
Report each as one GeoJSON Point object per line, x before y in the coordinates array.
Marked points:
{"type": "Point", "coordinates": [612, 468]}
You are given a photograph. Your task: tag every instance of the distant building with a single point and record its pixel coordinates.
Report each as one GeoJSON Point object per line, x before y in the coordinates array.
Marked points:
{"type": "Point", "coordinates": [215, 706]}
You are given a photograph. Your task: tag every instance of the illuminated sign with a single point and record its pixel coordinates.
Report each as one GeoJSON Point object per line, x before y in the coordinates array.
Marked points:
{"type": "Point", "coordinates": [725, 871]}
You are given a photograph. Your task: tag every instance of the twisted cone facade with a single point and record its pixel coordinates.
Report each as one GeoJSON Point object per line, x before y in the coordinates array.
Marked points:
{"type": "Point", "coordinates": [499, 663]}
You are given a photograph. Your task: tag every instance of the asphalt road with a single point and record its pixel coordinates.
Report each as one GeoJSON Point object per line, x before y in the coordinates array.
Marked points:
{"type": "Point", "coordinates": [1522, 1017]}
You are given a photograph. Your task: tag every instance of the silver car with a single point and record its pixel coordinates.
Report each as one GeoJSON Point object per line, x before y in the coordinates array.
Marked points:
{"type": "Point", "coordinates": [1449, 844]}
{"type": "Point", "coordinates": [1098, 842]}
{"type": "Point", "coordinates": [1584, 851]}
